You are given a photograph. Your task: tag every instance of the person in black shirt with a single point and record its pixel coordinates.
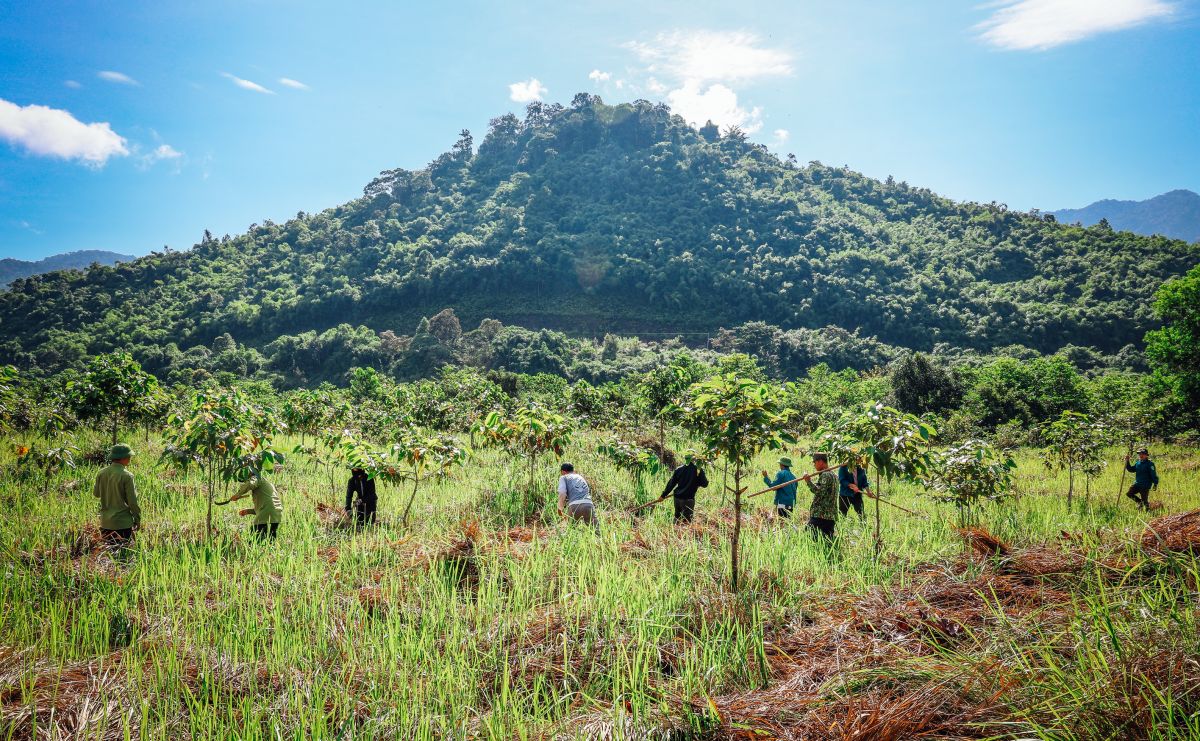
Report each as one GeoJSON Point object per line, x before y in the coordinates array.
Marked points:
{"type": "Point", "coordinates": [360, 497]}
{"type": "Point", "coordinates": [684, 482]}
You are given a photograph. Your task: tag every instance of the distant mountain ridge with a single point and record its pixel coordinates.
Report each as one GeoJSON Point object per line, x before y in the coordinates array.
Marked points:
{"type": "Point", "coordinates": [1174, 214]}
{"type": "Point", "coordinates": [12, 269]}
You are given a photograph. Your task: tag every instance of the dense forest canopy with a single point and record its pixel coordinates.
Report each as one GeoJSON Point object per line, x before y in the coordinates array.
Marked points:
{"type": "Point", "coordinates": [592, 218]}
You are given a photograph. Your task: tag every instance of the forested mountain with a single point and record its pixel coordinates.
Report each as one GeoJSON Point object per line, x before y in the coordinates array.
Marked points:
{"type": "Point", "coordinates": [1175, 214]}
{"type": "Point", "coordinates": [590, 219]}
{"type": "Point", "coordinates": [11, 269]}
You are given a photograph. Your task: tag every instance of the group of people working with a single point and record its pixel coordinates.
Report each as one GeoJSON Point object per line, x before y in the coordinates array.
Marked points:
{"type": "Point", "coordinates": [834, 494]}
{"type": "Point", "coordinates": [120, 514]}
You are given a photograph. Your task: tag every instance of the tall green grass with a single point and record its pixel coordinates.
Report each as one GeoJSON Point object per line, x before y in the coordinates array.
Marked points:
{"type": "Point", "coordinates": [331, 633]}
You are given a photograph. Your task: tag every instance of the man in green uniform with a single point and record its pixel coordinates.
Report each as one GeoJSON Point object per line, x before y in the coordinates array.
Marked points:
{"type": "Point", "coordinates": [268, 509]}
{"type": "Point", "coordinates": [822, 515]}
{"type": "Point", "coordinates": [114, 487]}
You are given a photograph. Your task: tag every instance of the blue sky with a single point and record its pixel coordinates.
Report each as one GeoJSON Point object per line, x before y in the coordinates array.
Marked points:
{"type": "Point", "coordinates": [131, 125]}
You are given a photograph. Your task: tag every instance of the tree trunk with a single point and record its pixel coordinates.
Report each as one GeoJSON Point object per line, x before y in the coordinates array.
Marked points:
{"type": "Point", "coordinates": [737, 526]}
{"type": "Point", "coordinates": [1070, 485]}
{"type": "Point", "coordinates": [208, 519]}
{"type": "Point", "coordinates": [878, 537]}
{"type": "Point", "coordinates": [114, 429]}
{"type": "Point", "coordinates": [724, 481]}
{"type": "Point", "coordinates": [411, 498]}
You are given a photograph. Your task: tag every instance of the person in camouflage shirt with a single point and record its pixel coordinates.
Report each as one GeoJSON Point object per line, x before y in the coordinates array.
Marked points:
{"type": "Point", "coordinates": [822, 515]}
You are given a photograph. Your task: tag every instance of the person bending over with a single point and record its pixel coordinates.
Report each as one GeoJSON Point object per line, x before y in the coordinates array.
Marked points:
{"type": "Point", "coordinates": [575, 497]}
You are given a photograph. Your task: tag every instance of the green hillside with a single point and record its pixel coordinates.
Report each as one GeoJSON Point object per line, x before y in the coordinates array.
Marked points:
{"type": "Point", "coordinates": [592, 219]}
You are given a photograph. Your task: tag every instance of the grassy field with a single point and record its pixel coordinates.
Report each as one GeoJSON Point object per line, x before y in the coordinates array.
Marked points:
{"type": "Point", "coordinates": [472, 625]}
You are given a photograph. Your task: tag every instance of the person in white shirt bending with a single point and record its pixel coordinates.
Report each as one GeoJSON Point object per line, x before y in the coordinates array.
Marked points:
{"type": "Point", "coordinates": [575, 497]}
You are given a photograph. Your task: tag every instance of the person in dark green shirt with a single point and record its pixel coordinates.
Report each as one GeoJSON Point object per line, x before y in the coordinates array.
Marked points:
{"type": "Point", "coordinates": [1145, 477]}
{"type": "Point", "coordinates": [267, 510]}
{"type": "Point", "coordinates": [120, 514]}
{"type": "Point", "coordinates": [785, 496]}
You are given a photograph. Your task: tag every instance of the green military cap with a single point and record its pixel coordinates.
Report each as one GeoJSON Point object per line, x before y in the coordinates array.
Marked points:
{"type": "Point", "coordinates": [119, 451]}
{"type": "Point", "coordinates": [1143, 451]}
{"type": "Point", "coordinates": [785, 462]}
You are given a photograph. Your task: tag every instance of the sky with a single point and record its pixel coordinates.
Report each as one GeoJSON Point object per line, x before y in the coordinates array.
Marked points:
{"type": "Point", "coordinates": [127, 126]}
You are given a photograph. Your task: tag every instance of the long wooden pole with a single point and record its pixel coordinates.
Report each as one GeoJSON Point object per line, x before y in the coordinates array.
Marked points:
{"type": "Point", "coordinates": [876, 497]}
{"type": "Point", "coordinates": [1121, 486]}
{"type": "Point", "coordinates": [796, 480]}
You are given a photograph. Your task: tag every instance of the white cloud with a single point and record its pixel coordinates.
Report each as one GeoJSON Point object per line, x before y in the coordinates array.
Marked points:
{"type": "Point", "coordinates": [781, 136]}
{"type": "Point", "coordinates": [294, 84]}
{"type": "Point", "coordinates": [72, 84]}
{"type": "Point", "coordinates": [716, 103]}
{"type": "Point", "coordinates": [528, 91]}
{"type": "Point", "coordinates": [165, 152]}
{"type": "Point", "coordinates": [1043, 24]}
{"type": "Point", "coordinates": [711, 56]}
{"type": "Point", "coordinates": [162, 153]}
{"type": "Point", "coordinates": [247, 84]}
{"type": "Point", "coordinates": [696, 72]}
{"type": "Point", "coordinates": [598, 76]}
{"type": "Point", "coordinates": [52, 132]}
{"type": "Point", "coordinates": [118, 77]}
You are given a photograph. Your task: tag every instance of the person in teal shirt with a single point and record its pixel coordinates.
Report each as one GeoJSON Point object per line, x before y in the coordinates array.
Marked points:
{"type": "Point", "coordinates": [785, 496]}
{"type": "Point", "coordinates": [1145, 477]}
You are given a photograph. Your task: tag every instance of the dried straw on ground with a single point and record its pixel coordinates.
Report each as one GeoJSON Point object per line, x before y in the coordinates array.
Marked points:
{"type": "Point", "coordinates": [983, 542]}
{"type": "Point", "coordinates": [81, 699]}
{"type": "Point", "coordinates": [1173, 534]}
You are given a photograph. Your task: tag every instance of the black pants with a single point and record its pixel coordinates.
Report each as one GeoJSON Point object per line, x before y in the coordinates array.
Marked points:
{"type": "Point", "coordinates": [784, 510]}
{"type": "Point", "coordinates": [821, 528]}
{"type": "Point", "coordinates": [364, 512]}
{"type": "Point", "coordinates": [684, 509]}
{"type": "Point", "coordinates": [265, 531]}
{"type": "Point", "coordinates": [854, 500]}
{"type": "Point", "coordinates": [119, 537]}
{"type": "Point", "coordinates": [1140, 495]}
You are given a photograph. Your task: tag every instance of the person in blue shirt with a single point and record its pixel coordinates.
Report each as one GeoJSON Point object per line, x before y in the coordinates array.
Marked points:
{"type": "Point", "coordinates": [785, 497]}
{"type": "Point", "coordinates": [1145, 477]}
{"type": "Point", "coordinates": [852, 482]}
